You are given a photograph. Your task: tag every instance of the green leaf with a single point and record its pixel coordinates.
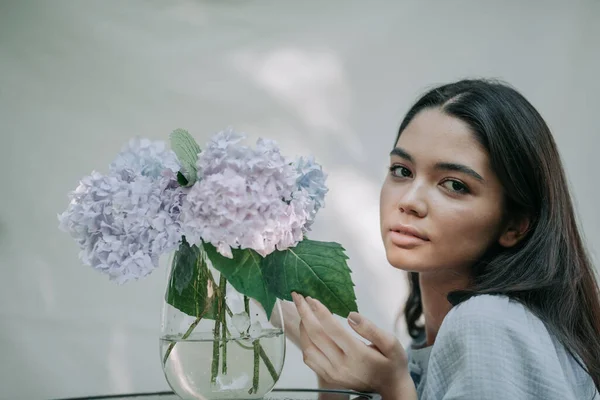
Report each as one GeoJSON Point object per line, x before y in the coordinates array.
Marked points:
{"type": "Point", "coordinates": [315, 269]}
{"type": "Point", "coordinates": [187, 150]}
{"type": "Point", "coordinates": [189, 282]}
{"type": "Point", "coordinates": [244, 272]}
{"type": "Point", "coordinates": [181, 179]}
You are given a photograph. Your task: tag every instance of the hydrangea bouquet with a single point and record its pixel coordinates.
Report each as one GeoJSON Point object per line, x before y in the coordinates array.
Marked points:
{"type": "Point", "coordinates": [245, 210]}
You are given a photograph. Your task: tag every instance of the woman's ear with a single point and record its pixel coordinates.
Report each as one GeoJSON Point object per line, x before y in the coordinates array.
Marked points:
{"type": "Point", "coordinates": [514, 231]}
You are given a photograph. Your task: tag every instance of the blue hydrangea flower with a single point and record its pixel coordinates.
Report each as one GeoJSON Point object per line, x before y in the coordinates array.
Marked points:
{"type": "Point", "coordinates": [125, 220]}
{"type": "Point", "coordinates": [311, 178]}
{"type": "Point", "coordinates": [145, 157]}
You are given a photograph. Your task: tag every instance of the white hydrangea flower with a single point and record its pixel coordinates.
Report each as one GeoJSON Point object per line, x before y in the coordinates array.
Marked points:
{"type": "Point", "coordinates": [244, 198]}
{"type": "Point", "coordinates": [125, 220]}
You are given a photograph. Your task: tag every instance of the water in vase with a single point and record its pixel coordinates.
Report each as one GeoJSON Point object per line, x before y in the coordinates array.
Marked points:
{"type": "Point", "coordinates": [189, 367]}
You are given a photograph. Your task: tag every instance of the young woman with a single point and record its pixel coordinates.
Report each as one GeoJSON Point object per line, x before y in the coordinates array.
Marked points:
{"type": "Point", "coordinates": [503, 303]}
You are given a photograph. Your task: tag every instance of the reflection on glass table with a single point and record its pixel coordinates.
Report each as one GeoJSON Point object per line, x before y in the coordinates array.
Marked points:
{"type": "Point", "coordinates": [276, 394]}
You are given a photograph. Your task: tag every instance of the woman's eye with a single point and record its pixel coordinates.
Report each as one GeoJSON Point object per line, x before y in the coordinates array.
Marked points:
{"type": "Point", "coordinates": [400, 171]}
{"type": "Point", "coordinates": [456, 186]}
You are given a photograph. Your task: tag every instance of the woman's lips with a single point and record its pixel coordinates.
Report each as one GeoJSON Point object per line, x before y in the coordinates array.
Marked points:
{"type": "Point", "coordinates": [406, 236]}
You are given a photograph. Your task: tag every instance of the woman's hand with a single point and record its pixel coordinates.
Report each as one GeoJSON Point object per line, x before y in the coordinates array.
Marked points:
{"type": "Point", "coordinates": [340, 359]}
{"type": "Point", "coordinates": [291, 320]}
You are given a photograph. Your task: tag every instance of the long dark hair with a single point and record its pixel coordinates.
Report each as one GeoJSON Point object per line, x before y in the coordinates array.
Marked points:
{"type": "Point", "coordinates": [549, 271]}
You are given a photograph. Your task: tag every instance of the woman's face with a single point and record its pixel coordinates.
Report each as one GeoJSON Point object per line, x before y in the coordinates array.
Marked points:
{"type": "Point", "coordinates": [440, 204]}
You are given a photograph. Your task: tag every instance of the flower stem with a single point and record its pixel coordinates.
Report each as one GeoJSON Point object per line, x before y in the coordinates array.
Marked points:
{"type": "Point", "coordinates": [215, 360]}
{"type": "Point", "coordinates": [256, 366]}
{"type": "Point", "coordinates": [193, 325]}
{"type": "Point", "coordinates": [267, 362]}
{"type": "Point", "coordinates": [185, 336]}
{"type": "Point", "coordinates": [255, 349]}
{"type": "Point", "coordinates": [261, 350]}
{"type": "Point", "coordinates": [223, 328]}
{"type": "Point", "coordinates": [263, 355]}
{"type": "Point", "coordinates": [217, 331]}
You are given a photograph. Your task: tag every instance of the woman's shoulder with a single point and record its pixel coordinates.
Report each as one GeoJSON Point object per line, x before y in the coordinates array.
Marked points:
{"type": "Point", "coordinates": [489, 340]}
{"type": "Point", "coordinates": [497, 321]}
{"type": "Point", "coordinates": [487, 324]}
{"type": "Point", "coordinates": [497, 312]}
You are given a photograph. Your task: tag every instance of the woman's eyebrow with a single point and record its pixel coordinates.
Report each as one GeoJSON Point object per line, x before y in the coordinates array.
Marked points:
{"type": "Point", "coordinates": [446, 166]}
{"type": "Point", "coordinates": [459, 168]}
{"type": "Point", "coordinates": [397, 151]}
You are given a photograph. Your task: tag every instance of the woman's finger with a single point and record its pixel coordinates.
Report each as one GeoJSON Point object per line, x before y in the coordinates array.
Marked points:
{"type": "Point", "coordinates": [313, 357]}
{"type": "Point", "coordinates": [335, 330]}
{"type": "Point", "coordinates": [387, 343]}
{"type": "Point", "coordinates": [318, 336]}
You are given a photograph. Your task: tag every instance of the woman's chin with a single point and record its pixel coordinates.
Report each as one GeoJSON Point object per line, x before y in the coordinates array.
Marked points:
{"type": "Point", "coordinates": [406, 260]}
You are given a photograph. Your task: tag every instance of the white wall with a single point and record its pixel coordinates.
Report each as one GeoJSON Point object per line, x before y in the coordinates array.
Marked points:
{"type": "Point", "coordinates": [333, 78]}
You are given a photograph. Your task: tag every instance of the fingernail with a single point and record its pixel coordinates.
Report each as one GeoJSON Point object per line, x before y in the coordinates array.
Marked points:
{"type": "Point", "coordinates": [295, 297]}
{"type": "Point", "coordinates": [354, 318]}
{"type": "Point", "coordinates": [312, 303]}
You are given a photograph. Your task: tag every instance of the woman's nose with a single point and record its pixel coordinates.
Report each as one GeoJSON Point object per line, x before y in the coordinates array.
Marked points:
{"type": "Point", "coordinates": [413, 200]}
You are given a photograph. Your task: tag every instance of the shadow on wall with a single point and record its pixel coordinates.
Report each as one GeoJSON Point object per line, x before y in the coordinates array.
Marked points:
{"type": "Point", "coordinates": [312, 89]}
{"type": "Point", "coordinates": [4, 245]}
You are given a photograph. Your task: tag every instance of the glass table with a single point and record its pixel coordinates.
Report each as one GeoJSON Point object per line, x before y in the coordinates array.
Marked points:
{"type": "Point", "coordinates": [276, 394]}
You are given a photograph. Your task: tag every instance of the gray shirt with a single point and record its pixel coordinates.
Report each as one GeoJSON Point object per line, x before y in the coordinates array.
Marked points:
{"type": "Point", "coordinates": [491, 347]}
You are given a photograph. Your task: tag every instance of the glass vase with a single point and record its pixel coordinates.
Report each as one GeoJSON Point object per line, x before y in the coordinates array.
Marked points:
{"type": "Point", "coordinates": [216, 343]}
